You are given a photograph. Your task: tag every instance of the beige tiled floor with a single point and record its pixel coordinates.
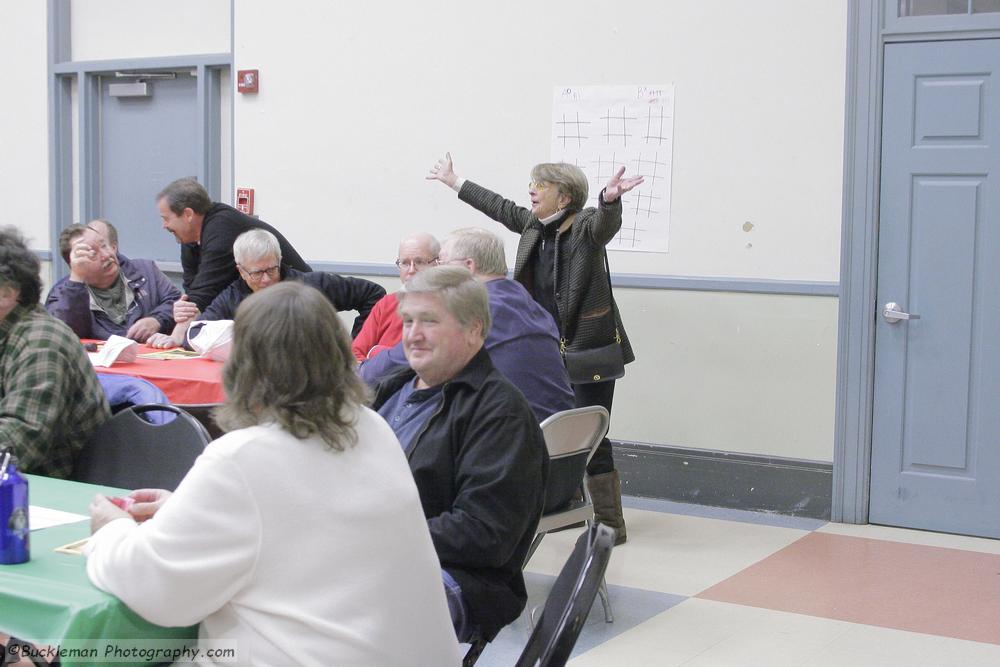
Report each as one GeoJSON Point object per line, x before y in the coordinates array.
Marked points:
{"type": "Point", "coordinates": [926, 538]}
{"type": "Point", "coordinates": [703, 632]}
{"type": "Point", "coordinates": [674, 555]}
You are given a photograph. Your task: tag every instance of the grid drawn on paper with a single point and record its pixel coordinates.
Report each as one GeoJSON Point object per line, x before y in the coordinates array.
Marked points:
{"type": "Point", "coordinates": [573, 160]}
{"type": "Point", "coordinates": [656, 121]}
{"type": "Point", "coordinates": [576, 130]}
{"type": "Point", "coordinates": [604, 128]}
{"type": "Point", "coordinates": [644, 204]}
{"type": "Point", "coordinates": [601, 175]}
{"type": "Point", "coordinates": [631, 233]}
{"type": "Point", "coordinates": [640, 168]}
{"type": "Point", "coordinates": [641, 206]}
{"type": "Point", "coordinates": [612, 126]}
{"type": "Point", "coordinates": [605, 168]}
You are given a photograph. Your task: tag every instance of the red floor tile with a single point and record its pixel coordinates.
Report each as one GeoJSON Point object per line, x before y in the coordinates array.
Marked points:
{"type": "Point", "coordinates": [925, 589]}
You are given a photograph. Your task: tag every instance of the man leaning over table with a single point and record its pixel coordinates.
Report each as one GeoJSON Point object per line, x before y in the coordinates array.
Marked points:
{"type": "Point", "coordinates": [258, 260]}
{"type": "Point", "coordinates": [108, 294]}
{"type": "Point", "coordinates": [473, 445]}
{"type": "Point", "coordinates": [206, 231]}
{"type": "Point", "coordinates": [50, 401]}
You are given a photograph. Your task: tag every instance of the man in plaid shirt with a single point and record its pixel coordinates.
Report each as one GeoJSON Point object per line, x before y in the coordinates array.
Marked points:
{"type": "Point", "coordinates": [50, 400]}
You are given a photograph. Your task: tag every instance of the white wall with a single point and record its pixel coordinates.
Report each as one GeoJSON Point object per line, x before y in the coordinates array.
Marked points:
{"type": "Point", "coordinates": [24, 145]}
{"type": "Point", "coordinates": [349, 120]}
{"type": "Point", "coordinates": [123, 30]}
{"type": "Point", "coordinates": [111, 29]}
{"type": "Point", "coordinates": [358, 100]}
{"type": "Point", "coordinates": [100, 29]}
{"type": "Point", "coordinates": [752, 373]}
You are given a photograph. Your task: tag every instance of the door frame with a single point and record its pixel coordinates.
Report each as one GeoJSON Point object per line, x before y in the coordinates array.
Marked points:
{"type": "Point", "coordinates": [871, 24]}
{"type": "Point", "coordinates": [64, 73]}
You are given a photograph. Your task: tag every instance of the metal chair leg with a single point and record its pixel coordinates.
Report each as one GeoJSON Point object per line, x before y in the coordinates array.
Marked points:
{"type": "Point", "coordinates": [609, 617]}
{"type": "Point", "coordinates": [531, 550]}
{"type": "Point", "coordinates": [531, 618]}
{"type": "Point", "coordinates": [476, 647]}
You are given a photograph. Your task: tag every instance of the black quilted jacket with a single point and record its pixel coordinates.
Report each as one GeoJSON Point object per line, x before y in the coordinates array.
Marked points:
{"type": "Point", "coordinates": [583, 295]}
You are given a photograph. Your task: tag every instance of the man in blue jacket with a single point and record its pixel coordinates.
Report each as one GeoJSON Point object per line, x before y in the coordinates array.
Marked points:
{"type": "Point", "coordinates": [107, 293]}
{"type": "Point", "coordinates": [523, 341]}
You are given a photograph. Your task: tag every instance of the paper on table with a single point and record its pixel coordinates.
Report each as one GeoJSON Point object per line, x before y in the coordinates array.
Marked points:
{"type": "Point", "coordinates": [46, 517]}
{"type": "Point", "coordinates": [116, 348]}
{"type": "Point", "coordinates": [176, 353]}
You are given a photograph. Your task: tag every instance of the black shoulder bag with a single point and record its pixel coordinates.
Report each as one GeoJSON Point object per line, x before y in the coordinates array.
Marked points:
{"type": "Point", "coordinates": [598, 364]}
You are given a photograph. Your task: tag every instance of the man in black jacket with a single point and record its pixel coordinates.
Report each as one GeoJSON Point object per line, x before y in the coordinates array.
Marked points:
{"type": "Point", "coordinates": [474, 447]}
{"type": "Point", "coordinates": [206, 232]}
{"type": "Point", "coordinates": [259, 262]}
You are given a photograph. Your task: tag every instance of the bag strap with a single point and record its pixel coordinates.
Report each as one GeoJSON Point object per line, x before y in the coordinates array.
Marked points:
{"type": "Point", "coordinates": [611, 294]}
{"type": "Point", "coordinates": [607, 274]}
{"type": "Point", "coordinates": [566, 224]}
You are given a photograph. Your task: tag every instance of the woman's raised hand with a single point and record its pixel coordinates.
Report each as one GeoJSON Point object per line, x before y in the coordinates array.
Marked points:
{"type": "Point", "coordinates": [618, 186]}
{"type": "Point", "coordinates": [443, 171]}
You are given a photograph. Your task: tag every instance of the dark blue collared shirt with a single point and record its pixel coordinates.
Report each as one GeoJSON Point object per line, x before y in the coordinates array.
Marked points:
{"type": "Point", "coordinates": [408, 410]}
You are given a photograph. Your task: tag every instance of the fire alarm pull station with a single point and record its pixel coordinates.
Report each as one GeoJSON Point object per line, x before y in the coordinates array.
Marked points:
{"type": "Point", "coordinates": [248, 81]}
{"type": "Point", "coordinates": [244, 200]}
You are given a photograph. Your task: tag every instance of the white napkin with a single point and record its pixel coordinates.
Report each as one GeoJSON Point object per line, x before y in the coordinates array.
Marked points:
{"type": "Point", "coordinates": [214, 339]}
{"type": "Point", "coordinates": [116, 348]}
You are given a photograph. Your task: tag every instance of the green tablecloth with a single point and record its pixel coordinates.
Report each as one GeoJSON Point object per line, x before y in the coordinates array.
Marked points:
{"type": "Point", "coordinates": [50, 599]}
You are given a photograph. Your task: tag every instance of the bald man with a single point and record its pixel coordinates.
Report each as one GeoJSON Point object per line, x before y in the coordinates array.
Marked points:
{"type": "Point", "coordinates": [383, 328]}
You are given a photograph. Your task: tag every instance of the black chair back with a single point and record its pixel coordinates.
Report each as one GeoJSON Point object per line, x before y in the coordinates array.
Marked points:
{"type": "Point", "coordinates": [131, 453]}
{"type": "Point", "coordinates": [570, 600]}
{"type": "Point", "coordinates": [205, 414]}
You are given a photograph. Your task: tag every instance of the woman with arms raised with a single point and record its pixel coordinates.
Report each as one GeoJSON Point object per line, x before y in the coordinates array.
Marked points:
{"type": "Point", "coordinates": [562, 262]}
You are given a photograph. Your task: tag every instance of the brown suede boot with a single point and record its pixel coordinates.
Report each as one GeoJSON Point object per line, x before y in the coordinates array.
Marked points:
{"type": "Point", "coordinates": [606, 492]}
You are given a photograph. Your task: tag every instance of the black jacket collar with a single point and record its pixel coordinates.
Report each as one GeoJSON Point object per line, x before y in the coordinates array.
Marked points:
{"type": "Point", "coordinates": [473, 376]}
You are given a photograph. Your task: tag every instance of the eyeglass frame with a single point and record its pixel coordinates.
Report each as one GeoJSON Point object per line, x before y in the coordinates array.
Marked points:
{"type": "Point", "coordinates": [255, 276]}
{"type": "Point", "coordinates": [413, 263]}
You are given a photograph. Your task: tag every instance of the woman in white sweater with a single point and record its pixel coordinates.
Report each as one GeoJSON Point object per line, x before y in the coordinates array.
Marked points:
{"type": "Point", "coordinates": [299, 534]}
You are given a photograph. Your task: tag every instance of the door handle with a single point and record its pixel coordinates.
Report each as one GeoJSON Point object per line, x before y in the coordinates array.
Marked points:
{"type": "Point", "coordinates": [893, 314]}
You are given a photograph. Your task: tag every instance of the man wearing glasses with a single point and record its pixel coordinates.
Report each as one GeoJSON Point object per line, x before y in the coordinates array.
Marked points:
{"type": "Point", "coordinates": [206, 231]}
{"type": "Point", "coordinates": [383, 328]}
{"type": "Point", "coordinates": [522, 342]}
{"type": "Point", "coordinates": [258, 260]}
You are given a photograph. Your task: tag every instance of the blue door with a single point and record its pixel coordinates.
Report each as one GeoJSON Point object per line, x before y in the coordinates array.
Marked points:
{"type": "Point", "coordinates": [145, 143]}
{"type": "Point", "coordinates": [936, 430]}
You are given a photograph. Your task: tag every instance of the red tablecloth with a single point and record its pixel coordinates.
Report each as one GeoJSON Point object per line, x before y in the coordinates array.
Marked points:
{"type": "Point", "coordinates": [194, 380]}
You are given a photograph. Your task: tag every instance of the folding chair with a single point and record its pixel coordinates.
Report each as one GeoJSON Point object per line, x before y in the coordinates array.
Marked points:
{"type": "Point", "coordinates": [570, 600]}
{"type": "Point", "coordinates": [476, 648]}
{"type": "Point", "coordinates": [131, 453]}
{"type": "Point", "coordinates": [203, 413]}
{"type": "Point", "coordinates": [571, 436]}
